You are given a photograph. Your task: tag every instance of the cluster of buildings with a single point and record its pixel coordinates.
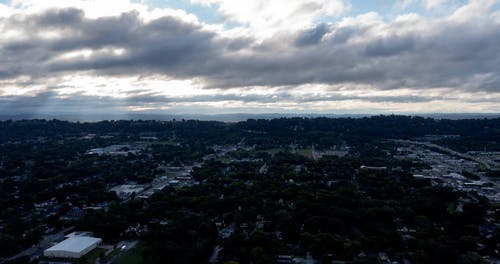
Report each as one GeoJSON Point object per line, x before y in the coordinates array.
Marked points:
{"type": "Point", "coordinates": [117, 150]}
{"type": "Point", "coordinates": [333, 152]}
{"type": "Point", "coordinates": [452, 171]}
{"type": "Point", "coordinates": [177, 177]}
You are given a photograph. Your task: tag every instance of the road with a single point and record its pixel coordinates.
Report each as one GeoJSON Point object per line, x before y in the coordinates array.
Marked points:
{"type": "Point", "coordinates": [123, 246]}
{"type": "Point", "coordinates": [215, 254]}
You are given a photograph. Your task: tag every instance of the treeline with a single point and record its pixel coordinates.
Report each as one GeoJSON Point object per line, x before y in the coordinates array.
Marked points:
{"type": "Point", "coordinates": [265, 132]}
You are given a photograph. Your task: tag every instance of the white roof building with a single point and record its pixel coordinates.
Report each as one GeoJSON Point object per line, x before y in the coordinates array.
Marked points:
{"type": "Point", "coordinates": [73, 247]}
{"type": "Point", "coordinates": [127, 190]}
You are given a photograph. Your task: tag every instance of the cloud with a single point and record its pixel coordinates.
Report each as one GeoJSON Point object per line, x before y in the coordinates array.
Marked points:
{"type": "Point", "coordinates": [312, 36]}
{"type": "Point", "coordinates": [393, 45]}
{"type": "Point", "coordinates": [45, 50]}
{"type": "Point", "coordinates": [364, 49]}
{"type": "Point", "coordinates": [430, 4]}
{"type": "Point", "coordinates": [276, 100]}
{"type": "Point", "coordinates": [121, 44]}
{"type": "Point", "coordinates": [266, 17]}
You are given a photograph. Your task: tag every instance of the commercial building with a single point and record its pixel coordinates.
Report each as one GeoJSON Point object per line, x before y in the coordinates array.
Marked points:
{"type": "Point", "coordinates": [73, 247]}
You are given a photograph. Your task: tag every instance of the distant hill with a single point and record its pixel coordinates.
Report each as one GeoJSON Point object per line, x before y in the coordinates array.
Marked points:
{"type": "Point", "coordinates": [236, 117]}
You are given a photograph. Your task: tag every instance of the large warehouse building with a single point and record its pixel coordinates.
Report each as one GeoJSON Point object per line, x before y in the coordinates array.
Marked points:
{"type": "Point", "coordinates": [73, 247]}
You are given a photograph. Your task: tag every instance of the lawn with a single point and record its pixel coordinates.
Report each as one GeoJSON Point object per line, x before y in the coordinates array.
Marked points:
{"type": "Point", "coordinates": [307, 152]}
{"type": "Point", "coordinates": [93, 255]}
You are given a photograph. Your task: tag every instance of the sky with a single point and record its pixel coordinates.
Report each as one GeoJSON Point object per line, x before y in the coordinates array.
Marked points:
{"type": "Point", "coordinates": [89, 57]}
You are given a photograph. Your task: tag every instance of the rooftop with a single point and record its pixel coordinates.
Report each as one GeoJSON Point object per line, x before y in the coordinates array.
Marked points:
{"type": "Point", "coordinates": [75, 244]}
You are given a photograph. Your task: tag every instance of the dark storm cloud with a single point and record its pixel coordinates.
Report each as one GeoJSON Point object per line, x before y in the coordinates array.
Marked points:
{"type": "Point", "coordinates": [312, 36]}
{"type": "Point", "coordinates": [59, 18]}
{"type": "Point", "coordinates": [446, 54]}
{"type": "Point", "coordinates": [390, 46]}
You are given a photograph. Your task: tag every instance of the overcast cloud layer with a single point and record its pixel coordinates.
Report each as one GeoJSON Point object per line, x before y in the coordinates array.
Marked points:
{"type": "Point", "coordinates": [264, 56]}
